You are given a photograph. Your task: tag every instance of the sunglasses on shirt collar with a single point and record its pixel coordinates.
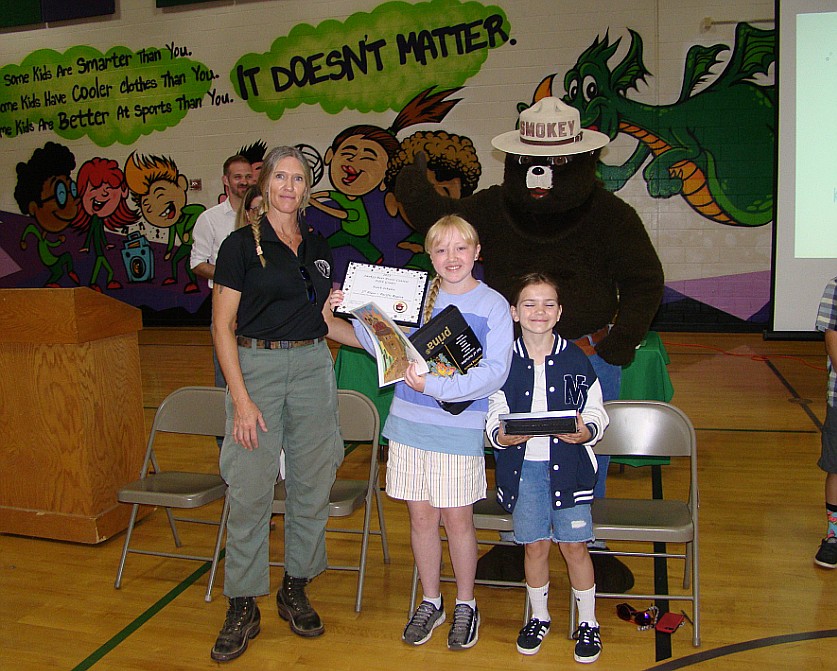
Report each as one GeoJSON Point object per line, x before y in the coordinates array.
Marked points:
{"type": "Point", "coordinates": [310, 289]}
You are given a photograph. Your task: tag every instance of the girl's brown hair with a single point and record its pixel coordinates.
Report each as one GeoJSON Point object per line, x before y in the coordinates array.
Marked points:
{"type": "Point", "coordinates": [528, 279]}
{"type": "Point", "coordinates": [250, 195]}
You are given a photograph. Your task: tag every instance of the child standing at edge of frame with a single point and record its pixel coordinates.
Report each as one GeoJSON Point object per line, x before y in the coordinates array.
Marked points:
{"type": "Point", "coordinates": [826, 556]}
{"type": "Point", "coordinates": [547, 481]}
{"type": "Point", "coordinates": [436, 459]}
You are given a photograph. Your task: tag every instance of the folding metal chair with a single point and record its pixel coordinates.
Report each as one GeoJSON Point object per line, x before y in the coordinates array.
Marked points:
{"type": "Point", "coordinates": [196, 411]}
{"type": "Point", "coordinates": [651, 429]}
{"type": "Point", "coordinates": [359, 423]}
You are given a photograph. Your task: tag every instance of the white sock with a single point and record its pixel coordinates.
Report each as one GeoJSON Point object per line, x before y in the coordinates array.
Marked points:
{"type": "Point", "coordinates": [585, 601]}
{"type": "Point", "coordinates": [538, 598]}
{"type": "Point", "coordinates": [436, 601]}
{"type": "Point", "coordinates": [472, 603]}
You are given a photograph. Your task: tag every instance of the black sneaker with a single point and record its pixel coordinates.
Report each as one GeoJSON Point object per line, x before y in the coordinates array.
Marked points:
{"type": "Point", "coordinates": [588, 644]}
{"type": "Point", "coordinates": [242, 623]}
{"type": "Point", "coordinates": [464, 631]}
{"type": "Point", "coordinates": [294, 607]}
{"type": "Point", "coordinates": [827, 554]}
{"type": "Point", "coordinates": [531, 636]}
{"type": "Point", "coordinates": [420, 627]}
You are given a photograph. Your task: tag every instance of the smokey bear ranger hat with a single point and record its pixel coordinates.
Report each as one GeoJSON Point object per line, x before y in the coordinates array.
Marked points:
{"type": "Point", "coordinates": [550, 127]}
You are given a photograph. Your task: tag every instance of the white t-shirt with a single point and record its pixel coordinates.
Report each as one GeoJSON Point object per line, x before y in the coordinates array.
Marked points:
{"type": "Point", "coordinates": [211, 229]}
{"type": "Point", "coordinates": [537, 447]}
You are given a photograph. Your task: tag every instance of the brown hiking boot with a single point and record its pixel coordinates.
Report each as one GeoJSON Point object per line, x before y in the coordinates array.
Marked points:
{"type": "Point", "coordinates": [294, 607]}
{"type": "Point", "coordinates": [242, 623]}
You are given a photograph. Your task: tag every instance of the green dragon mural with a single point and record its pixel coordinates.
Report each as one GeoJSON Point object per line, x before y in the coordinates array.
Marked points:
{"type": "Point", "coordinates": [713, 146]}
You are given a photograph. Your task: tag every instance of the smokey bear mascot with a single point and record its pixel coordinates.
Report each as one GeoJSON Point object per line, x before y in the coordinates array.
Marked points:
{"type": "Point", "coordinates": [552, 215]}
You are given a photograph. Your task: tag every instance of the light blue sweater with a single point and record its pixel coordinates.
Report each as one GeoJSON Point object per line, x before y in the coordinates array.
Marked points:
{"type": "Point", "coordinates": [416, 419]}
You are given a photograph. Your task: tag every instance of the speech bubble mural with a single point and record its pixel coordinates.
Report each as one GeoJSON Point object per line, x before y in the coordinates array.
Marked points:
{"type": "Point", "coordinates": [372, 62]}
{"type": "Point", "coordinates": [110, 97]}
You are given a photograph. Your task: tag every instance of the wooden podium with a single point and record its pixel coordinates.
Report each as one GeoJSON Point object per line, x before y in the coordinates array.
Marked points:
{"type": "Point", "coordinates": [72, 427]}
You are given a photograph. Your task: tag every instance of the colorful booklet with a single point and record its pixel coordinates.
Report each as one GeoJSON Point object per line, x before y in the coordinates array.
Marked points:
{"type": "Point", "coordinates": [450, 347]}
{"type": "Point", "coordinates": [393, 350]}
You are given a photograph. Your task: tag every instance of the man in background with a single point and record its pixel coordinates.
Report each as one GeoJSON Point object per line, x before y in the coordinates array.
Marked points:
{"type": "Point", "coordinates": [215, 224]}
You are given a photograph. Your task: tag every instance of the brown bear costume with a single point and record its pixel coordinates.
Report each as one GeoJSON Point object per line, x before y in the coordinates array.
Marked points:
{"type": "Point", "coordinates": [590, 240]}
{"type": "Point", "coordinates": [552, 215]}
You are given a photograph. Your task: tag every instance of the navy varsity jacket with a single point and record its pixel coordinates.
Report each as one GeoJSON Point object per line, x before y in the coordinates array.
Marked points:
{"type": "Point", "coordinates": [571, 384]}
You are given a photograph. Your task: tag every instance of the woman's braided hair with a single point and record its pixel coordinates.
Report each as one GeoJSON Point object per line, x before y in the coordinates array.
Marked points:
{"type": "Point", "coordinates": [273, 157]}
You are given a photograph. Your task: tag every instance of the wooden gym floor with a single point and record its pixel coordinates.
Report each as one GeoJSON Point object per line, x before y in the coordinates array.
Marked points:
{"type": "Point", "coordinates": [756, 406]}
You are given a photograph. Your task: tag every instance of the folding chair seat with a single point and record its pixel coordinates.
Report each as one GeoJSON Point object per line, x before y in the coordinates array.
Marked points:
{"type": "Point", "coordinates": [195, 411]}
{"type": "Point", "coordinates": [651, 429]}
{"type": "Point", "coordinates": [359, 423]}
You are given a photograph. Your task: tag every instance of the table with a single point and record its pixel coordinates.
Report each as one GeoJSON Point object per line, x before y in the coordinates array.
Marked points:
{"type": "Point", "coordinates": [645, 378]}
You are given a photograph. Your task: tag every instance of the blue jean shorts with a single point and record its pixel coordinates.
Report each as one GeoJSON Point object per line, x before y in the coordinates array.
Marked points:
{"type": "Point", "coordinates": [536, 520]}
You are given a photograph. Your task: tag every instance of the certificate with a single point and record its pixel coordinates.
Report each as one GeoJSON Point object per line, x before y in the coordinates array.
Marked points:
{"type": "Point", "coordinates": [398, 292]}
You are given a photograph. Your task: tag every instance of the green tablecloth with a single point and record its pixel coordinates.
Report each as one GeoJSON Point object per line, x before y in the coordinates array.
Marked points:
{"type": "Point", "coordinates": [645, 378]}
{"type": "Point", "coordinates": [355, 369]}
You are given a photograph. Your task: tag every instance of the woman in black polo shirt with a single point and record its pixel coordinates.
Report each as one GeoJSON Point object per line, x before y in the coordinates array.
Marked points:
{"type": "Point", "coordinates": [270, 311]}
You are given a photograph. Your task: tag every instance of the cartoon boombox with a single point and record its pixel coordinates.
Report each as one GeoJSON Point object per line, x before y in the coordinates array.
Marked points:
{"type": "Point", "coordinates": [138, 258]}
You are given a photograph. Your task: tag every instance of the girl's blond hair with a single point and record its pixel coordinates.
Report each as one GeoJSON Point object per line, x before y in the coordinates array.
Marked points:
{"type": "Point", "coordinates": [441, 229]}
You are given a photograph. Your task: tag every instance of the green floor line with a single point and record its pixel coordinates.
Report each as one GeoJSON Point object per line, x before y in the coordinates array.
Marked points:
{"type": "Point", "coordinates": [142, 619]}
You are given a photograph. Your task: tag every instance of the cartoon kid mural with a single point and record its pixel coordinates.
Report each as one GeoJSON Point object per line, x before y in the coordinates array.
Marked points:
{"type": "Point", "coordinates": [357, 162]}
{"type": "Point", "coordinates": [159, 189]}
{"type": "Point", "coordinates": [453, 168]}
{"type": "Point", "coordinates": [723, 173]}
{"type": "Point", "coordinates": [255, 154]}
{"type": "Point", "coordinates": [46, 192]}
{"type": "Point", "coordinates": [103, 197]}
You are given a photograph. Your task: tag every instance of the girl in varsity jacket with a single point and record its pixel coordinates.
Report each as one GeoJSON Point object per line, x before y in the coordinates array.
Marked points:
{"type": "Point", "coordinates": [547, 481]}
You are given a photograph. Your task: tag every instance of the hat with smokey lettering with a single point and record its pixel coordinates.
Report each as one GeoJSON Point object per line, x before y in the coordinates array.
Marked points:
{"type": "Point", "coordinates": [550, 127]}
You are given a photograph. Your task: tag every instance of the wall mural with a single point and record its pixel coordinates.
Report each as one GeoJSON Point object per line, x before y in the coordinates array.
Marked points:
{"type": "Point", "coordinates": [723, 170]}
{"type": "Point", "coordinates": [122, 224]}
{"type": "Point", "coordinates": [117, 96]}
{"type": "Point", "coordinates": [385, 57]}
{"type": "Point", "coordinates": [725, 175]}
{"type": "Point", "coordinates": [132, 224]}
{"type": "Point", "coordinates": [121, 221]}
{"type": "Point", "coordinates": [360, 216]}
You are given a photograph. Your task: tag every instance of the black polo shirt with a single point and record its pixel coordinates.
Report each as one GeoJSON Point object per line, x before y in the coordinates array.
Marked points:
{"type": "Point", "coordinates": [276, 300]}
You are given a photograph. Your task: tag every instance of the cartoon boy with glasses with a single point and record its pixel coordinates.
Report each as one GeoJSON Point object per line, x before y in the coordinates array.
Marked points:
{"type": "Point", "coordinates": [46, 192]}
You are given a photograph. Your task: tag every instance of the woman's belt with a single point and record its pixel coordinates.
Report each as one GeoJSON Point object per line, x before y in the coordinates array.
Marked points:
{"type": "Point", "coordinates": [275, 344]}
